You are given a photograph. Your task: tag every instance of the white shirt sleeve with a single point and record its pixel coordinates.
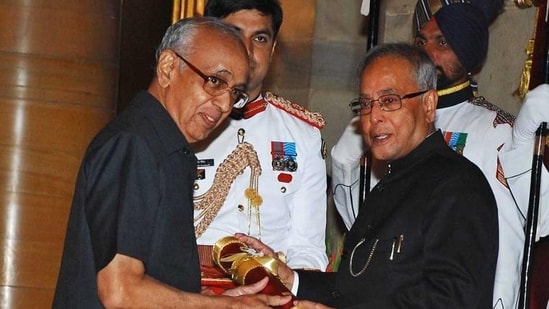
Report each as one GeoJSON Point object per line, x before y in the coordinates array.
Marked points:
{"type": "Point", "coordinates": [346, 155]}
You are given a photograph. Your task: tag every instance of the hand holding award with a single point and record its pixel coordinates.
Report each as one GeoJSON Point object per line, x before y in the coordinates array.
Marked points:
{"type": "Point", "coordinates": [246, 266]}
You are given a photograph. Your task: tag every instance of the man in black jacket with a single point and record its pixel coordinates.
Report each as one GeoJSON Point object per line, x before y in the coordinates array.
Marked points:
{"type": "Point", "coordinates": [427, 235]}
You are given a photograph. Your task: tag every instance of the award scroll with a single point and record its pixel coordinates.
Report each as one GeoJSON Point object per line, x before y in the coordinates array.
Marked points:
{"type": "Point", "coordinates": [245, 266]}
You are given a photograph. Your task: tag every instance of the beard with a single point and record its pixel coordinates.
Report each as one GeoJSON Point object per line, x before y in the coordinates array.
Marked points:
{"type": "Point", "coordinates": [444, 80]}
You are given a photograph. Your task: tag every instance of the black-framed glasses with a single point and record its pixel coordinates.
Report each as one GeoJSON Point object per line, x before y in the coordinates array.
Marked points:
{"type": "Point", "coordinates": [387, 103]}
{"type": "Point", "coordinates": [216, 86]}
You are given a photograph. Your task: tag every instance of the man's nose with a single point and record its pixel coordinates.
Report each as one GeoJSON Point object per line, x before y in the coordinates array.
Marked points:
{"type": "Point", "coordinates": [431, 50]}
{"type": "Point", "coordinates": [376, 114]}
{"type": "Point", "coordinates": [223, 101]}
{"type": "Point", "coordinates": [249, 48]}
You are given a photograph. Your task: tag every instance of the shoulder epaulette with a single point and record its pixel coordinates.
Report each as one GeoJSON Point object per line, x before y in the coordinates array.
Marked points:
{"type": "Point", "coordinates": [313, 118]}
{"type": "Point", "coordinates": [502, 117]}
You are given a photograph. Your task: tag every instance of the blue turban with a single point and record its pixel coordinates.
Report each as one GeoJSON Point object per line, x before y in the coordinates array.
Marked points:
{"type": "Point", "coordinates": [464, 24]}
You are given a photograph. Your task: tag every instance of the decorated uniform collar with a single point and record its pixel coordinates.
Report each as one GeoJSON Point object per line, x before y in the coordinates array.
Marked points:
{"type": "Point", "coordinates": [253, 108]}
{"type": "Point", "coordinates": [250, 109]}
{"type": "Point", "coordinates": [260, 104]}
{"type": "Point", "coordinates": [454, 95]}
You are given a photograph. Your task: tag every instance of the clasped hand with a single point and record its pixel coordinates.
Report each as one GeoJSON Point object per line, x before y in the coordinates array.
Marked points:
{"type": "Point", "coordinates": [285, 273]}
{"type": "Point", "coordinates": [533, 112]}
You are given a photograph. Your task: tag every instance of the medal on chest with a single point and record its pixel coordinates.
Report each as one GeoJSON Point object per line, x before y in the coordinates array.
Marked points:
{"type": "Point", "coordinates": [456, 141]}
{"type": "Point", "coordinates": [284, 156]}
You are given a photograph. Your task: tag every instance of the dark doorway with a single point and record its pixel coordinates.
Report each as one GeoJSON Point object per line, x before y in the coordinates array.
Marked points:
{"type": "Point", "coordinates": [143, 24]}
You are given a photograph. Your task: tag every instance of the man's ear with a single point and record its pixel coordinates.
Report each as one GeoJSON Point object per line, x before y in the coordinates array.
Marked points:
{"type": "Point", "coordinates": [430, 100]}
{"type": "Point", "coordinates": [274, 47]}
{"type": "Point", "coordinates": [165, 69]}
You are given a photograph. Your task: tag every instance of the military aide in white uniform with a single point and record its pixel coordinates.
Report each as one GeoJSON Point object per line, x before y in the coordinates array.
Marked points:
{"type": "Point", "coordinates": [291, 217]}
{"type": "Point", "coordinates": [517, 154]}
{"type": "Point", "coordinates": [516, 157]}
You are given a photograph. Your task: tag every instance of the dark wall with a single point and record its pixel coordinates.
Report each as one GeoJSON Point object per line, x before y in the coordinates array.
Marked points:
{"type": "Point", "coordinates": [143, 25]}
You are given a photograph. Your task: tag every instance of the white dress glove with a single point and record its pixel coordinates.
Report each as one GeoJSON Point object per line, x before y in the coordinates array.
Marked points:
{"type": "Point", "coordinates": [350, 146]}
{"type": "Point", "coordinates": [534, 111]}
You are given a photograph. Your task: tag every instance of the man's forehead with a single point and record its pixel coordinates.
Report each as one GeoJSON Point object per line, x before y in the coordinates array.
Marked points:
{"type": "Point", "coordinates": [207, 38]}
{"type": "Point", "coordinates": [222, 50]}
{"type": "Point", "coordinates": [379, 92]}
{"type": "Point", "coordinates": [240, 21]}
{"type": "Point", "coordinates": [430, 29]}
{"type": "Point", "coordinates": [387, 74]}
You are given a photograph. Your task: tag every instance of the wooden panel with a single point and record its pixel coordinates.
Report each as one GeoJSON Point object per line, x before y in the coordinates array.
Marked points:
{"type": "Point", "coordinates": [57, 80]}
{"type": "Point", "coordinates": [32, 231]}
{"type": "Point", "coordinates": [58, 85]}
{"type": "Point", "coordinates": [34, 217]}
{"type": "Point", "coordinates": [30, 263]}
{"type": "Point", "coordinates": [49, 126]}
{"type": "Point", "coordinates": [58, 30]}
{"type": "Point", "coordinates": [25, 298]}
{"type": "Point", "coordinates": [37, 172]}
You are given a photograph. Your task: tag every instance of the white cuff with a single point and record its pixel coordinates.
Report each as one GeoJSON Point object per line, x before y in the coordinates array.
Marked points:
{"type": "Point", "coordinates": [295, 285]}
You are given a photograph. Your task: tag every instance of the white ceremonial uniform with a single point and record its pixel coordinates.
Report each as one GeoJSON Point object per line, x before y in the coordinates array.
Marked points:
{"type": "Point", "coordinates": [484, 139]}
{"type": "Point", "coordinates": [346, 154]}
{"type": "Point", "coordinates": [292, 216]}
{"type": "Point", "coordinates": [517, 165]}
{"type": "Point", "coordinates": [472, 130]}
{"type": "Point", "coordinates": [517, 155]}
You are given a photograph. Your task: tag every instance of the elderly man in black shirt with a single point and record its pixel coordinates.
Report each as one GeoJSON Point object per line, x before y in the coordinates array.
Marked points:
{"type": "Point", "coordinates": [130, 240]}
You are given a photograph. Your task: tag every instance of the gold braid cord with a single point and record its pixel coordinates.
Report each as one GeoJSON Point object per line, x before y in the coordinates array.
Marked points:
{"type": "Point", "coordinates": [313, 118]}
{"type": "Point", "coordinates": [524, 3]}
{"type": "Point", "coordinates": [211, 201]}
{"type": "Point", "coordinates": [524, 82]}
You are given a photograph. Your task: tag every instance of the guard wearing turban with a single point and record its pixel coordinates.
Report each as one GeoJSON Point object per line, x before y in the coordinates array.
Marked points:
{"type": "Point", "coordinates": [464, 24]}
{"type": "Point", "coordinates": [482, 126]}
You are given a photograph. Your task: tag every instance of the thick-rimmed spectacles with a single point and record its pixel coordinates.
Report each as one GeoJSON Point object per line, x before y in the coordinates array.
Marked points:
{"type": "Point", "coordinates": [216, 86]}
{"type": "Point", "coordinates": [387, 103]}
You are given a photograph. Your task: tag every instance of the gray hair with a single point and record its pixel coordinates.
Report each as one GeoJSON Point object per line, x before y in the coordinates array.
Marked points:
{"type": "Point", "coordinates": [424, 73]}
{"type": "Point", "coordinates": [179, 36]}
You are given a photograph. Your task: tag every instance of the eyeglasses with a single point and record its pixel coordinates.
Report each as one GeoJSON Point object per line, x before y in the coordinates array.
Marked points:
{"type": "Point", "coordinates": [387, 103]}
{"type": "Point", "coordinates": [216, 86]}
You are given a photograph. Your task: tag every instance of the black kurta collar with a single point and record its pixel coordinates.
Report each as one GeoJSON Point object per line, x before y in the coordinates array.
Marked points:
{"type": "Point", "coordinates": [432, 144]}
